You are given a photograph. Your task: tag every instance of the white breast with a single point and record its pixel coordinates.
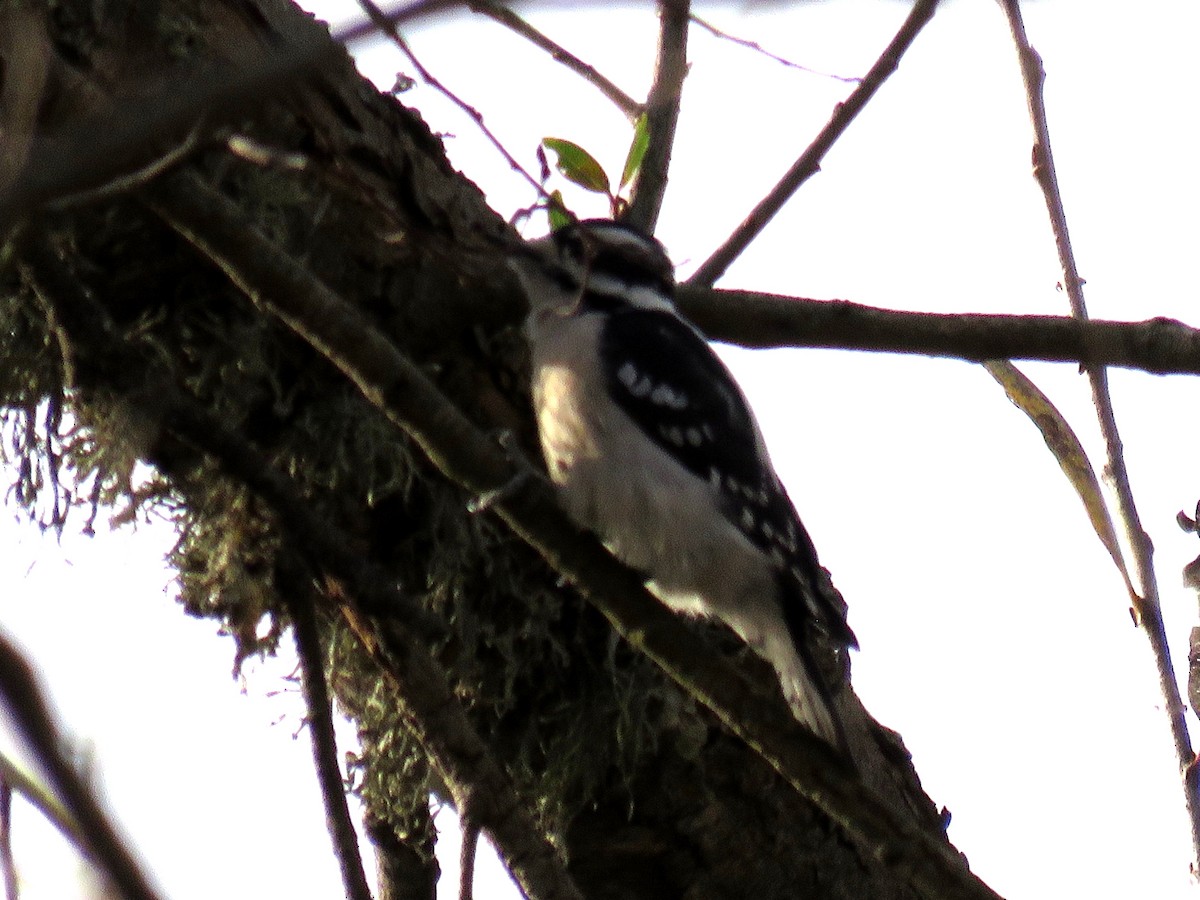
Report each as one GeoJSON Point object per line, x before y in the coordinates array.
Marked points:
{"type": "Point", "coordinates": [652, 513]}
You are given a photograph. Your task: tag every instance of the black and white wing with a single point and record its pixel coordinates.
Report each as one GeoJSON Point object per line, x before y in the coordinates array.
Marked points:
{"type": "Point", "coordinates": [667, 379]}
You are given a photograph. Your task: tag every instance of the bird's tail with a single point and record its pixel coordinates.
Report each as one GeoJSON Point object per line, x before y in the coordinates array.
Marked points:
{"type": "Point", "coordinates": [812, 702]}
{"type": "Point", "coordinates": [806, 689]}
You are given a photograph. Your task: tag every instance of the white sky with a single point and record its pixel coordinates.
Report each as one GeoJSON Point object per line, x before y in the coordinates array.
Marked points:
{"type": "Point", "coordinates": [994, 630]}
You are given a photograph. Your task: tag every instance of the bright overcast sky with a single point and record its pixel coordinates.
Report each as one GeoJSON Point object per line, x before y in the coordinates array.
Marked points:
{"type": "Point", "coordinates": [995, 633]}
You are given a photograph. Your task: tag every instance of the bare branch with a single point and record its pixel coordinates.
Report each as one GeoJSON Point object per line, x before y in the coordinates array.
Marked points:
{"type": "Point", "coordinates": [466, 860]}
{"type": "Point", "coordinates": [8, 865]}
{"type": "Point", "coordinates": [510, 20]}
{"type": "Point", "coordinates": [1147, 607]}
{"type": "Point", "coordinates": [758, 320]}
{"type": "Point", "coordinates": [41, 799]}
{"type": "Point", "coordinates": [371, 27]}
{"type": "Point", "coordinates": [299, 599]}
{"type": "Point", "coordinates": [465, 455]}
{"type": "Point", "coordinates": [662, 114]}
{"type": "Point", "coordinates": [809, 162]}
{"type": "Point", "coordinates": [383, 24]}
{"type": "Point", "coordinates": [758, 48]}
{"type": "Point", "coordinates": [30, 714]}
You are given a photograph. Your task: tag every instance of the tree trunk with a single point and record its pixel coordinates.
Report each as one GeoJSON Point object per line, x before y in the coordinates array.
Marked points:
{"type": "Point", "coordinates": [110, 110]}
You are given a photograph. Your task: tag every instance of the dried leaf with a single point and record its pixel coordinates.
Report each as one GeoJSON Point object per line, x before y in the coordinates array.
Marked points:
{"type": "Point", "coordinates": [1067, 449]}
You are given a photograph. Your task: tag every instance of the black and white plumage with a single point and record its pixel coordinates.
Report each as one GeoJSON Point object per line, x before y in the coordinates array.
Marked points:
{"type": "Point", "coordinates": [653, 446]}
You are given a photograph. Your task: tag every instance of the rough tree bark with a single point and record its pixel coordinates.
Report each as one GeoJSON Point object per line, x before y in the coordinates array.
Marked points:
{"type": "Point", "coordinates": [113, 316]}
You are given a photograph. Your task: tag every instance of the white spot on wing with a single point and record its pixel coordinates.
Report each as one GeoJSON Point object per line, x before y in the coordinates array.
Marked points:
{"type": "Point", "coordinates": [638, 385]}
{"type": "Point", "coordinates": [627, 375]}
{"type": "Point", "coordinates": [665, 395]}
{"type": "Point", "coordinates": [809, 599]}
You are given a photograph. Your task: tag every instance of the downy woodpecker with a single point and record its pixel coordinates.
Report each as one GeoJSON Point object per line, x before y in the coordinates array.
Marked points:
{"type": "Point", "coordinates": [653, 447]}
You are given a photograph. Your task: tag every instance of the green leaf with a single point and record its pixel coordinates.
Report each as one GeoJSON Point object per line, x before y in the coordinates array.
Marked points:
{"type": "Point", "coordinates": [556, 210]}
{"type": "Point", "coordinates": [578, 166]}
{"type": "Point", "coordinates": [1067, 449]}
{"type": "Point", "coordinates": [637, 150]}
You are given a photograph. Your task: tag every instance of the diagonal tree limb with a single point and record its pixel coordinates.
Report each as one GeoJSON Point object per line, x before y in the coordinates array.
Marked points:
{"type": "Point", "coordinates": [302, 608]}
{"type": "Point", "coordinates": [117, 138]}
{"type": "Point", "coordinates": [809, 162]}
{"type": "Point", "coordinates": [662, 114]}
{"type": "Point", "coordinates": [1148, 606]}
{"type": "Point", "coordinates": [472, 775]}
{"type": "Point", "coordinates": [498, 12]}
{"type": "Point", "coordinates": [107, 144]}
{"type": "Point", "coordinates": [42, 799]}
{"type": "Point", "coordinates": [272, 280]}
{"type": "Point", "coordinates": [758, 320]}
{"type": "Point", "coordinates": [30, 713]}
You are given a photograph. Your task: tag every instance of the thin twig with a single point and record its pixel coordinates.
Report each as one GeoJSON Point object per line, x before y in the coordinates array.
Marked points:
{"type": "Point", "coordinates": [421, 8]}
{"type": "Point", "coordinates": [466, 859]}
{"type": "Point", "coordinates": [758, 48]}
{"type": "Point", "coordinates": [380, 21]}
{"type": "Point", "coordinates": [472, 459]}
{"type": "Point", "coordinates": [758, 320]}
{"type": "Point", "coordinates": [324, 742]}
{"type": "Point", "coordinates": [809, 162]}
{"type": "Point", "coordinates": [662, 114]}
{"type": "Point", "coordinates": [510, 20]}
{"type": "Point", "coordinates": [8, 865]}
{"type": "Point", "coordinates": [41, 799]}
{"type": "Point", "coordinates": [30, 713]}
{"type": "Point", "coordinates": [1148, 607]}
{"type": "Point", "coordinates": [127, 182]}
